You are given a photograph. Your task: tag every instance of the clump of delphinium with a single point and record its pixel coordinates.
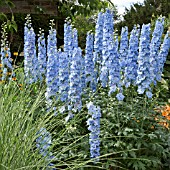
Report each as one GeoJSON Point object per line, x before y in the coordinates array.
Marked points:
{"type": "Point", "coordinates": [114, 136]}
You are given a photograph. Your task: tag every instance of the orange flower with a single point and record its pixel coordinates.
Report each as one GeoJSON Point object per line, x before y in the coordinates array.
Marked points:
{"type": "Point", "coordinates": [1, 65]}
{"type": "Point", "coordinates": [9, 73]}
{"type": "Point", "coordinates": [6, 55]}
{"type": "Point", "coordinates": [14, 78]}
{"type": "Point", "coordinates": [168, 117]}
{"type": "Point", "coordinates": [164, 113]}
{"type": "Point", "coordinates": [15, 53]}
{"type": "Point", "coordinates": [20, 85]}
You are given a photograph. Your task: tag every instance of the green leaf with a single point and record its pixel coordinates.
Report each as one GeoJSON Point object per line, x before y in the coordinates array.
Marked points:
{"type": "Point", "coordinates": [2, 16]}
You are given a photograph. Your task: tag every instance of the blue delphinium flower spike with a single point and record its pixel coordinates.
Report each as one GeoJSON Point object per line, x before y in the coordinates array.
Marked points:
{"type": "Point", "coordinates": [154, 49]}
{"type": "Point", "coordinates": [42, 54]}
{"type": "Point", "coordinates": [89, 64]}
{"type": "Point", "coordinates": [107, 34]}
{"type": "Point", "coordinates": [63, 76]}
{"type": "Point", "coordinates": [52, 66]}
{"type": "Point", "coordinates": [123, 50]}
{"type": "Point", "coordinates": [143, 71]}
{"type": "Point", "coordinates": [98, 44]}
{"type": "Point", "coordinates": [94, 127]}
{"type": "Point", "coordinates": [75, 81]}
{"type": "Point", "coordinates": [43, 144]}
{"type": "Point", "coordinates": [131, 59]}
{"type": "Point", "coordinates": [163, 53]}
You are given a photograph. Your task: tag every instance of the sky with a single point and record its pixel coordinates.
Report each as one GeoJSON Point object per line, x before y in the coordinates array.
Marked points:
{"type": "Point", "coordinates": [121, 4]}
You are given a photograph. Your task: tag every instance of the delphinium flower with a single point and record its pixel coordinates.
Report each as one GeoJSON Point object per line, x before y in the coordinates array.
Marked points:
{"type": "Point", "coordinates": [43, 144]}
{"type": "Point", "coordinates": [163, 53]}
{"type": "Point", "coordinates": [143, 71]}
{"type": "Point", "coordinates": [83, 73]}
{"type": "Point", "coordinates": [154, 49]}
{"type": "Point", "coordinates": [52, 65]}
{"type": "Point", "coordinates": [114, 69]}
{"type": "Point", "coordinates": [6, 60]}
{"type": "Point", "coordinates": [63, 76]}
{"type": "Point", "coordinates": [30, 59]}
{"type": "Point", "coordinates": [107, 33]}
{"type": "Point", "coordinates": [74, 94]}
{"type": "Point", "coordinates": [75, 38]}
{"type": "Point", "coordinates": [98, 43]}
{"type": "Point", "coordinates": [130, 73]}
{"type": "Point", "coordinates": [123, 49]}
{"type": "Point", "coordinates": [68, 39]}
{"type": "Point", "coordinates": [116, 43]}
{"type": "Point", "coordinates": [94, 127]}
{"type": "Point", "coordinates": [42, 54]}
{"type": "Point", "coordinates": [89, 64]}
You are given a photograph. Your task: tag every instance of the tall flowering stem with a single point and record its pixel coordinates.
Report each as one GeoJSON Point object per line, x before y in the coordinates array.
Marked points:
{"type": "Point", "coordinates": [163, 53]}
{"type": "Point", "coordinates": [154, 49]}
{"type": "Point", "coordinates": [75, 81]}
{"type": "Point", "coordinates": [94, 127]}
{"type": "Point", "coordinates": [98, 43]}
{"type": "Point", "coordinates": [43, 144]}
{"type": "Point", "coordinates": [52, 64]}
{"type": "Point", "coordinates": [63, 76]}
{"type": "Point", "coordinates": [130, 73]}
{"type": "Point", "coordinates": [75, 38]}
{"type": "Point", "coordinates": [6, 67]}
{"type": "Point", "coordinates": [123, 50]}
{"type": "Point", "coordinates": [107, 34]}
{"type": "Point", "coordinates": [30, 60]}
{"type": "Point", "coordinates": [143, 79]}
{"type": "Point", "coordinates": [114, 69]}
{"type": "Point", "coordinates": [68, 40]}
{"type": "Point", "coordinates": [89, 64]}
{"type": "Point", "coordinates": [42, 54]}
